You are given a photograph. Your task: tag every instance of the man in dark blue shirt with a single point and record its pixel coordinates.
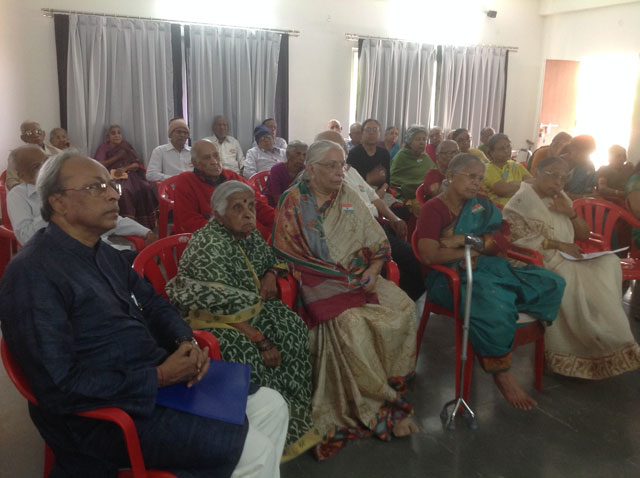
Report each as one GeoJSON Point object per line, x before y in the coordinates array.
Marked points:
{"type": "Point", "coordinates": [88, 332]}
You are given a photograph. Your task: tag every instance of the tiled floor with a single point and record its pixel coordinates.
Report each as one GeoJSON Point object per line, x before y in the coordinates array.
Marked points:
{"type": "Point", "coordinates": [579, 429]}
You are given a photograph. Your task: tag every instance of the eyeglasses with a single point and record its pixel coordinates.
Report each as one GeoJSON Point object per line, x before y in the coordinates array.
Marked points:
{"type": "Point", "coordinates": [371, 130]}
{"type": "Point", "coordinates": [449, 153]}
{"type": "Point", "coordinates": [562, 177]}
{"type": "Point", "coordinates": [98, 189]}
{"type": "Point", "coordinates": [32, 132]}
{"type": "Point", "coordinates": [473, 177]}
{"type": "Point", "coordinates": [333, 165]}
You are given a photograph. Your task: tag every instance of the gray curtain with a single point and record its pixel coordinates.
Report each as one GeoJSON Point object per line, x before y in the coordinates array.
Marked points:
{"type": "Point", "coordinates": [119, 71]}
{"type": "Point", "coordinates": [395, 82]}
{"type": "Point", "coordinates": [472, 85]}
{"type": "Point", "coordinates": [232, 72]}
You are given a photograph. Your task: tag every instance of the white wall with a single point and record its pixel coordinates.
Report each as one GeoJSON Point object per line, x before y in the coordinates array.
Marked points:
{"type": "Point", "coordinates": [575, 35]}
{"type": "Point", "coordinates": [319, 58]}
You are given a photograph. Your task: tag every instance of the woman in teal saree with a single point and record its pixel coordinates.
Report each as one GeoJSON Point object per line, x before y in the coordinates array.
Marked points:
{"type": "Point", "coordinates": [500, 291]}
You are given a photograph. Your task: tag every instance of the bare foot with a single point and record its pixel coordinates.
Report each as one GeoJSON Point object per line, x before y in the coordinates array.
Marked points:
{"type": "Point", "coordinates": [405, 428]}
{"type": "Point", "coordinates": [510, 389]}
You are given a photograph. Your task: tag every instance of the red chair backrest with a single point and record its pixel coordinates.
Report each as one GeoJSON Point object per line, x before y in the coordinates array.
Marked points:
{"type": "Point", "coordinates": [259, 180]}
{"type": "Point", "coordinates": [601, 216]}
{"type": "Point", "coordinates": [8, 247]}
{"type": "Point", "coordinates": [15, 373]}
{"type": "Point", "coordinates": [165, 204]}
{"type": "Point", "coordinates": [420, 194]}
{"type": "Point", "coordinates": [3, 201]}
{"type": "Point", "coordinates": [168, 250]}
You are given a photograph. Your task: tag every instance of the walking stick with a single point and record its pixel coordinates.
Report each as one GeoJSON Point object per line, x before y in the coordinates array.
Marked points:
{"type": "Point", "coordinates": [459, 402]}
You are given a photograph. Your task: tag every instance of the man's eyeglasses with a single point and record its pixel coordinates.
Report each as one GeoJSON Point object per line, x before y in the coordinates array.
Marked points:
{"type": "Point", "coordinates": [98, 189]}
{"type": "Point", "coordinates": [32, 132]}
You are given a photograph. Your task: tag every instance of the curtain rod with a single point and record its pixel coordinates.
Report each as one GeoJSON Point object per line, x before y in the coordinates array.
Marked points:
{"type": "Point", "coordinates": [49, 12]}
{"type": "Point", "coordinates": [355, 37]}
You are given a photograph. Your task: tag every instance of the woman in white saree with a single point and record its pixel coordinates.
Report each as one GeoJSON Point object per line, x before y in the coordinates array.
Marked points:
{"type": "Point", "coordinates": [591, 338]}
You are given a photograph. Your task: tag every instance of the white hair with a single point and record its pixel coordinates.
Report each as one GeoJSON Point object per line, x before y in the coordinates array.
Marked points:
{"type": "Point", "coordinates": [220, 196]}
{"type": "Point", "coordinates": [48, 180]}
{"type": "Point", "coordinates": [23, 126]}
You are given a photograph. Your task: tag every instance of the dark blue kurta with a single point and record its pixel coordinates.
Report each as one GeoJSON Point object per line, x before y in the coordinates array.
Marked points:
{"type": "Point", "coordinates": [88, 332]}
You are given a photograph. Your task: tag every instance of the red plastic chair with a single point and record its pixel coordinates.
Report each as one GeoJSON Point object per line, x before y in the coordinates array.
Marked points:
{"type": "Point", "coordinates": [165, 204]}
{"type": "Point", "coordinates": [420, 195]}
{"type": "Point", "coordinates": [3, 201]}
{"type": "Point", "coordinates": [165, 252]}
{"type": "Point", "coordinates": [168, 251]}
{"type": "Point", "coordinates": [531, 332]}
{"type": "Point", "coordinates": [8, 247]}
{"type": "Point", "coordinates": [259, 180]}
{"type": "Point", "coordinates": [602, 217]}
{"type": "Point", "coordinates": [115, 415]}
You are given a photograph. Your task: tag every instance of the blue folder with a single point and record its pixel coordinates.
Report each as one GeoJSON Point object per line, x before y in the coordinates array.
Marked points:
{"type": "Point", "coordinates": [221, 394]}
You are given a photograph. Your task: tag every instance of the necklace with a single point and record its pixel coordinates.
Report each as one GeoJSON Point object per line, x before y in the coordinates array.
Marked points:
{"type": "Point", "coordinates": [454, 211]}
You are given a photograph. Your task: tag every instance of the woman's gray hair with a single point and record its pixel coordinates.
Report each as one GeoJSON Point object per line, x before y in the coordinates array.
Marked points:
{"type": "Point", "coordinates": [296, 143]}
{"type": "Point", "coordinates": [48, 180]}
{"type": "Point", "coordinates": [220, 196]}
{"type": "Point", "coordinates": [411, 133]}
{"type": "Point", "coordinates": [494, 140]}
{"type": "Point", "coordinates": [462, 161]}
{"type": "Point", "coordinates": [443, 143]}
{"type": "Point", "coordinates": [317, 152]}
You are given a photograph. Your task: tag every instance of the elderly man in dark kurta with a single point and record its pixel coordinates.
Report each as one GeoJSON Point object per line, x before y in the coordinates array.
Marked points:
{"type": "Point", "coordinates": [88, 332]}
{"type": "Point", "coordinates": [193, 190]}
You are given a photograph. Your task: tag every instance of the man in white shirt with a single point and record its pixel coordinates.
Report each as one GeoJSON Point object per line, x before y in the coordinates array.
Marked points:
{"type": "Point", "coordinates": [228, 147]}
{"type": "Point", "coordinates": [174, 157]}
{"type": "Point", "coordinates": [272, 125]}
{"type": "Point", "coordinates": [263, 156]}
{"type": "Point", "coordinates": [30, 133]}
{"type": "Point", "coordinates": [23, 202]}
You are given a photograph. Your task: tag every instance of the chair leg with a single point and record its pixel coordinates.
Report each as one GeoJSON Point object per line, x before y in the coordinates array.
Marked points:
{"type": "Point", "coordinates": [539, 361]}
{"type": "Point", "coordinates": [426, 312]}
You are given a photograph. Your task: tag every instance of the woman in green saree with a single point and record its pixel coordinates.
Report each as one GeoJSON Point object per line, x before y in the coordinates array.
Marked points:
{"type": "Point", "coordinates": [226, 284]}
{"type": "Point", "coordinates": [500, 291]}
{"type": "Point", "coordinates": [362, 327]}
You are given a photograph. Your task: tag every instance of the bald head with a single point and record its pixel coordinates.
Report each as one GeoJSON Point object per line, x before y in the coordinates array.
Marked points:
{"type": "Point", "coordinates": [27, 160]}
{"type": "Point", "coordinates": [334, 136]}
{"type": "Point", "coordinates": [32, 133]}
{"type": "Point", "coordinates": [206, 158]}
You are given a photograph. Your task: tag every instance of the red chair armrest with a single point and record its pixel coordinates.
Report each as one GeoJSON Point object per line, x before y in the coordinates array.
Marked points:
{"type": "Point", "coordinates": [207, 339]}
{"type": "Point", "coordinates": [393, 273]}
{"type": "Point", "coordinates": [287, 290]}
{"type": "Point", "coordinates": [528, 256]}
{"type": "Point", "coordinates": [124, 421]}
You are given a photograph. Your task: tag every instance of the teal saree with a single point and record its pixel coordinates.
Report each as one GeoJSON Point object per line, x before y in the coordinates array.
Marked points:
{"type": "Point", "coordinates": [500, 291]}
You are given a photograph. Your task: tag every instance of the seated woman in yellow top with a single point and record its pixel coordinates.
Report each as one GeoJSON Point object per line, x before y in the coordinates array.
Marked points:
{"type": "Point", "coordinates": [463, 138]}
{"type": "Point", "coordinates": [503, 175]}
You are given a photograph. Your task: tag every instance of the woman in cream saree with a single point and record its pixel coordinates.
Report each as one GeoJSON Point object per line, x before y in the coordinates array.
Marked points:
{"type": "Point", "coordinates": [591, 338]}
{"type": "Point", "coordinates": [362, 327]}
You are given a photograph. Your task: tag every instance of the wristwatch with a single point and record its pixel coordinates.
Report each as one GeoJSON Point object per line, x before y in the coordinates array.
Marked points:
{"type": "Point", "coordinates": [186, 338]}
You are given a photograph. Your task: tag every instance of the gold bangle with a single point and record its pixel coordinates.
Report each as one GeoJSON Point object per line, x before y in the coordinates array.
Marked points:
{"type": "Point", "coordinates": [545, 243]}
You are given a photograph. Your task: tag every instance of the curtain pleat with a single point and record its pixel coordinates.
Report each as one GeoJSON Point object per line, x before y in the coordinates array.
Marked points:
{"type": "Point", "coordinates": [472, 86]}
{"type": "Point", "coordinates": [395, 82]}
{"type": "Point", "coordinates": [119, 72]}
{"type": "Point", "coordinates": [232, 72]}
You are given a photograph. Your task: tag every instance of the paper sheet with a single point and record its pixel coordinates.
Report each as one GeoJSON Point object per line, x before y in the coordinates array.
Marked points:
{"type": "Point", "coordinates": [591, 255]}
